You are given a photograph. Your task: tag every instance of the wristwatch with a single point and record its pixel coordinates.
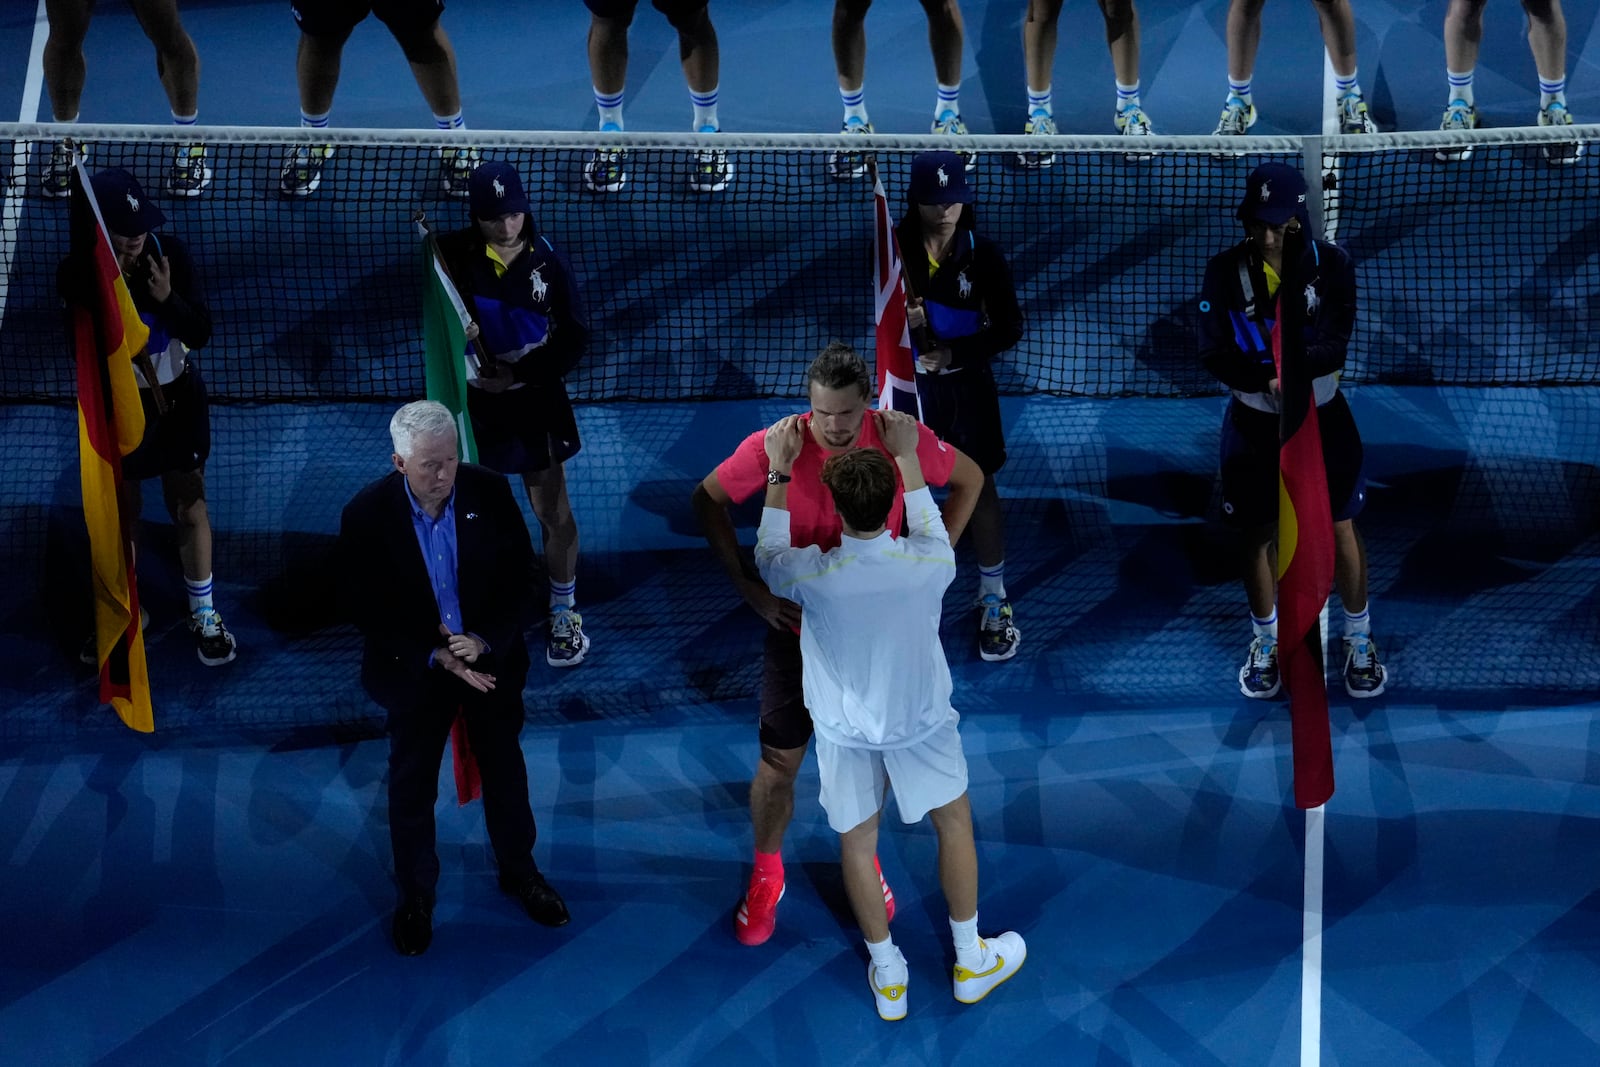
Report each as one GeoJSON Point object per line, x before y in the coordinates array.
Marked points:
{"type": "Point", "coordinates": [775, 478]}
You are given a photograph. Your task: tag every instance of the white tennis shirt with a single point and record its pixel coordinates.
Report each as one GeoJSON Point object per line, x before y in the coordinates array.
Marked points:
{"type": "Point", "coordinates": [873, 670]}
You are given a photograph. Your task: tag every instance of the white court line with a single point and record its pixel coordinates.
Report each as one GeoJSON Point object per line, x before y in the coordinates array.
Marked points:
{"type": "Point", "coordinates": [17, 187]}
{"type": "Point", "coordinates": [1311, 946]}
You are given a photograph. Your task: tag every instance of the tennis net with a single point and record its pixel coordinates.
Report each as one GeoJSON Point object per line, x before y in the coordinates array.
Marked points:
{"type": "Point", "coordinates": [1473, 272]}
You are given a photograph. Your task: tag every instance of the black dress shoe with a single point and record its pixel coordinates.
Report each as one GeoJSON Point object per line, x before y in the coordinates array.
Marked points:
{"type": "Point", "coordinates": [543, 904]}
{"type": "Point", "coordinates": [413, 927]}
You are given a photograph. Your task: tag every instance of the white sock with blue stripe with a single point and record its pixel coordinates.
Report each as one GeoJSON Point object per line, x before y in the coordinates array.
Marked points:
{"type": "Point", "coordinates": [610, 107]}
{"type": "Point", "coordinates": [1041, 100]}
{"type": "Point", "coordinates": [949, 99]}
{"type": "Point", "coordinates": [1358, 623]}
{"type": "Point", "coordinates": [1553, 91]}
{"type": "Point", "coordinates": [563, 594]}
{"type": "Point", "coordinates": [1460, 87]}
{"type": "Point", "coordinates": [199, 591]}
{"type": "Point", "coordinates": [855, 103]}
{"type": "Point", "coordinates": [1267, 627]}
{"type": "Point", "coordinates": [991, 581]}
{"type": "Point", "coordinates": [705, 110]}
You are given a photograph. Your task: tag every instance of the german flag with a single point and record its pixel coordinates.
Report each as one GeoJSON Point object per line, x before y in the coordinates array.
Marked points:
{"type": "Point", "coordinates": [107, 334]}
{"type": "Point", "coordinates": [1305, 541]}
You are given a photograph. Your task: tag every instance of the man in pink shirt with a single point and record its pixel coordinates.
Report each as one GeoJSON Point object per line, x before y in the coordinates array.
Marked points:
{"type": "Point", "coordinates": [840, 388]}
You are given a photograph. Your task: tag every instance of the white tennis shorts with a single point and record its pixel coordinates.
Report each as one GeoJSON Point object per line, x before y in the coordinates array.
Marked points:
{"type": "Point", "coordinates": [926, 775]}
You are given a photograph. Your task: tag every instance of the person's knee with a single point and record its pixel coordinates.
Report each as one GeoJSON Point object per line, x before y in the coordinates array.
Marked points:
{"type": "Point", "coordinates": [423, 45]}
{"type": "Point", "coordinates": [856, 10]}
{"type": "Point", "coordinates": [1540, 10]}
{"type": "Point", "coordinates": [780, 766]}
{"type": "Point", "coordinates": [690, 22]}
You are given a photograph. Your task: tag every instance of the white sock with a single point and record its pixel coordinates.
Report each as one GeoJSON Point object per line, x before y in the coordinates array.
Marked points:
{"type": "Point", "coordinates": [1553, 92]}
{"type": "Point", "coordinates": [1460, 87]}
{"type": "Point", "coordinates": [992, 580]}
{"type": "Point", "coordinates": [199, 593]}
{"type": "Point", "coordinates": [1127, 96]}
{"type": "Point", "coordinates": [705, 110]}
{"type": "Point", "coordinates": [887, 962]}
{"type": "Point", "coordinates": [610, 107]}
{"type": "Point", "coordinates": [1358, 624]}
{"type": "Point", "coordinates": [1040, 100]}
{"type": "Point", "coordinates": [949, 99]}
{"type": "Point", "coordinates": [1240, 88]}
{"type": "Point", "coordinates": [1346, 83]}
{"type": "Point", "coordinates": [855, 103]}
{"type": "Point", "coordinates": [969, 950]}
{"type": "Point", "coordinates": [563, 594]}
{"type": "Point", "coordinates": [314, 122]}
{"type": "Point", "coordinates": [1267, 627]}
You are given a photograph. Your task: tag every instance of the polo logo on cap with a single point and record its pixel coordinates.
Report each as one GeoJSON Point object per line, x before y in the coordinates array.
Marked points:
{"type": "Point", "coordinates": [499, 190]}
{"type": "Point", "coordinates": [944, 179]}
{"type": "Point", "coordinates": [133, 201]}
{"type": "Point", "coordinates": [1266, 191]}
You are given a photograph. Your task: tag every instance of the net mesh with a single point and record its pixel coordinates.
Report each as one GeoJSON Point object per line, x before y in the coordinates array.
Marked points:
{"type": "Point", "coordinates": [1479, 272]}
{"type": "Point", "coordinates": [1474, 272]}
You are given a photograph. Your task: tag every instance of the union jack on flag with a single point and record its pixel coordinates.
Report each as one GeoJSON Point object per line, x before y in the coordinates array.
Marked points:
{"type": "Point", "coordinates": [896, 365]}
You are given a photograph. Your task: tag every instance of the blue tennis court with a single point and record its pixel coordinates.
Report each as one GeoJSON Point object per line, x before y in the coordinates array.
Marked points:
{"type": "Point", "coordinates": [220, 891]}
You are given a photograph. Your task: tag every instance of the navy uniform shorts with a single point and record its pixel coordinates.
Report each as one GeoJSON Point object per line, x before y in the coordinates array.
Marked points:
{"type": "Point", "coordinates": [336, 18]}
{"type": "Point", "coordinates": [1250, 463]}
{"type": "Point", "coordinates": [180, 440]}
{"type": "Point", "coordinates": [523, 431]}
{"type": "Point", "coordinates": [785, 720]}
{"type": "Point", "coordinates": [616, 9]}
{"type": "Point", "coordinates": [964, 410]}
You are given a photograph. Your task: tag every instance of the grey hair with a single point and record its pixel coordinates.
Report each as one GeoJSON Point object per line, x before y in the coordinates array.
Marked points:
{"type": "Point", "coordinates": [420, 418]}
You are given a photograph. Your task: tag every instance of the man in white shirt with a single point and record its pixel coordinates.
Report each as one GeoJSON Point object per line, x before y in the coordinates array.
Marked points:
{"type": "Point", "coordinates": [878, 687]}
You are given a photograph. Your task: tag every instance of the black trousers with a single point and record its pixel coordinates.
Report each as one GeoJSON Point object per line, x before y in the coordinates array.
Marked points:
{"type": "Point", "coordinates": [416, 748]}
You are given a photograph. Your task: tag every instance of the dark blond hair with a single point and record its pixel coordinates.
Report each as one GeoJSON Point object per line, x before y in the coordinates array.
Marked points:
{"type": "Point", "coordinates": [838, 366]}
{"type": "Point", "coordinates": [863, 485]}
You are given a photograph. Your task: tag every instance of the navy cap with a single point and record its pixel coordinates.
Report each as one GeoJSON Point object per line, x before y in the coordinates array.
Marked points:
{"type": "Point", "coordinates": [495, 189]}
{"type": "Point", "coordinates": [123, 205]}
{"type": "Point", "coordinates": [939, 178]}
{"type": "Point", "coordinates": [1273, 194]}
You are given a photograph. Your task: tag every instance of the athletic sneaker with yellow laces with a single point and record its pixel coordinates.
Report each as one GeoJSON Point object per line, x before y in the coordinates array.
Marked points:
{"type": "Point", "coordinates": [999, 958]}
{"type": "Point", "coordinates": [889, 987]}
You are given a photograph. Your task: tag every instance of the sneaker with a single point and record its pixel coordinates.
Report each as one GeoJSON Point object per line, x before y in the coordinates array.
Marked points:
{"type": "Point", "coordinates": [1002, 958]}
{"type": "Point", "coordinates": [1258, 677]}
{"type": "Point", "coordinates": [950, 123]}
{"type": "Point", "coordinates": [302, 169]}
{"type": "Point", "coordinates": [56, 181]}
{"type": "Point", "coordinates": [455, 170]}
{"type": "Point", "coordinates": [1460, 115]}
{"type": "Point", "coordinates": [605, 172]}
{"type": "Point", "coordinates": [843, 166]}
{"type": "Point", "coordinates": [753, 923]}
{"type": "Point", "coordinates": [710, 171]}
{"type": "Point", "coordinates": [889, 989]}
{"type": "Point", "coordinates": [189, 173]}
{"type": "Point", "coordinates": [1353, 116]}
{"type": "Point", "coordinates": [1133, 122]}
{"type": "Point", "coordinates": [568, 643]}
{"type": "Point", "coordinates": [1364, 676]}
{"type": "Point", "coordinates": [1237, 117]}
{"type": "Point", "coordinates": [1039, 125]}
{"type": "Point", "coordinates": [1562, 155]}
{"type": "Point", "coordinates": [213, 643]}
{"type": "Point", "coordinates": [888, 894]}
{"type": "Point", "coordinates": [997, 636]}
{"type": "Point", "coordinates": [89, 654]}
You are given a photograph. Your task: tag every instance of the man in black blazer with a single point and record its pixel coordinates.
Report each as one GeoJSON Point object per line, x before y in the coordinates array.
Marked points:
{"type": "Point", "coordinates": [436, 569]}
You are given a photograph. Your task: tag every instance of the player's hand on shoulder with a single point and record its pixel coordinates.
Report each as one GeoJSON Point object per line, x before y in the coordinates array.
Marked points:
{"type": "Point", "coordinates": [898, 432]}
{"type": "Point", "coordinates": [783, 442]}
